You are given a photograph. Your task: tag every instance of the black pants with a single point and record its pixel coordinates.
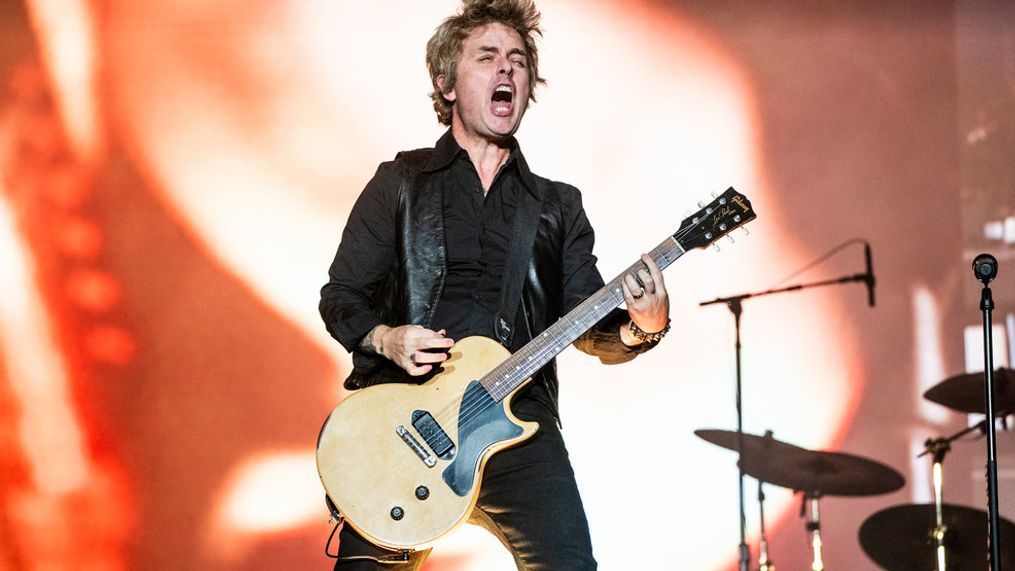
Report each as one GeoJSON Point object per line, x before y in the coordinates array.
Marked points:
{"type": "Point", "coordinates": [528, 499]}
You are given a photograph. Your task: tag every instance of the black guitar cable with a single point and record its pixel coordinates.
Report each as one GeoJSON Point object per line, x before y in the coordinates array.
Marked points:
{"type": "Point", "coordinates": [395, 558]}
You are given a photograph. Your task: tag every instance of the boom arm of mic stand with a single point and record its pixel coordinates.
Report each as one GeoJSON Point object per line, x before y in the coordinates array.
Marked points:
{"type": "Point", "coordinates": [795, 287]}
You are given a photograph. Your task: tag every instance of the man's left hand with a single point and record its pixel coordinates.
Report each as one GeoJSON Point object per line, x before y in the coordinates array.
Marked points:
{"type": "Point", "coordinates": [647, 301]}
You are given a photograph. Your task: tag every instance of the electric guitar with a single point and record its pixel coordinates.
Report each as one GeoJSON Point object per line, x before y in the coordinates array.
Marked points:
{"type": "Point", "coordinates": [403, 463]}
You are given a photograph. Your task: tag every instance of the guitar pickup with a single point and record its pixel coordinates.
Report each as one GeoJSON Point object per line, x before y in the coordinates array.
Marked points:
{"type": "Point", "coordinates": [429, 459]}
{"type": "Point", "coordinates": [435, 437]}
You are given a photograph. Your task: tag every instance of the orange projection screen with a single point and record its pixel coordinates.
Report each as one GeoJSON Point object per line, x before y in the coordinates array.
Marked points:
{"type": "Point", "coordinates": [176, 176]}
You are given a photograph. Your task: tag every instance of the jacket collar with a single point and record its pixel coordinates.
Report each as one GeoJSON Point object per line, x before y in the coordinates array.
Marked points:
{"type": "Point", "coordinates": [447, 150]}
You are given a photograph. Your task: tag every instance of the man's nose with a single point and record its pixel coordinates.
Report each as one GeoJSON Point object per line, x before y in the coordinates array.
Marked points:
{"type": "Point", "coordinates": [505, 67]}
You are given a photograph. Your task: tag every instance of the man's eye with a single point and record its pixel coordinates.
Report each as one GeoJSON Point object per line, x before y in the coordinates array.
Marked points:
{"type": "Point", "coordinates": [519, 62]}
{"type": "Point", "coordinates": [485, 58]}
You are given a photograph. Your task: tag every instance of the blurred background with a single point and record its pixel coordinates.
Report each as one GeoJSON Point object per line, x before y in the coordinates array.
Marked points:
{"type": "Point", "coordinates": [175, 176]}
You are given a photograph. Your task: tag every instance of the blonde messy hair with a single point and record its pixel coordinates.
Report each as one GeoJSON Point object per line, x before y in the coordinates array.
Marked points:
{"type": "Point", "coordinates": [444, 49]}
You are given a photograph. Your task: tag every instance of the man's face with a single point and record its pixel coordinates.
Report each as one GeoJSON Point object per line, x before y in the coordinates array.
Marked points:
{"type": "Point", "coordinates": [492, 88]}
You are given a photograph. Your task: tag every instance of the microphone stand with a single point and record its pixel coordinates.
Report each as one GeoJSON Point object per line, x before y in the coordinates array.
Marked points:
{"type": "Point", "coordinates": [735, 305]}
{"type": "Point", "coordinates": [987, 305]}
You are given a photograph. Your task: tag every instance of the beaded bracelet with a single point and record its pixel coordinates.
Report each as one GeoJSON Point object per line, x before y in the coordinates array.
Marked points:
{"type": "Point", "coordinates": [648, 337]}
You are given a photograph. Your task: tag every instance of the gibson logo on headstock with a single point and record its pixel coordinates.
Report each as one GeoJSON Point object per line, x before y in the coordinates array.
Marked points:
{"type": "Point", "coordinates": [739, 201]}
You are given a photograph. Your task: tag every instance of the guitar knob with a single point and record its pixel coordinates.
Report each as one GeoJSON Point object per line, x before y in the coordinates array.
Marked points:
{"type": "Point", "coordinates": [397, 513]}
{"type": "Point", "coordinates": [422, 493]}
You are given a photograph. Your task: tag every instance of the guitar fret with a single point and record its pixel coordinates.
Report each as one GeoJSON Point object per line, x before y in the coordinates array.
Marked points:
{"type": "Point", "coordinates": [534, 355]}
{"type": "Point", "coordinates": [725, 213]}
{"type": "Point", "coordinates": [507, 376]}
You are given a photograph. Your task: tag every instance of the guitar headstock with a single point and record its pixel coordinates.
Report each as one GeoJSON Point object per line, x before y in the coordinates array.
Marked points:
{"type": "Point", "coordinates": [727, 212]}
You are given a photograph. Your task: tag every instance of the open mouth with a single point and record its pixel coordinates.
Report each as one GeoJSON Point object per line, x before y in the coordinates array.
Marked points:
{"type": "Point", "coordinates": [501, 103]}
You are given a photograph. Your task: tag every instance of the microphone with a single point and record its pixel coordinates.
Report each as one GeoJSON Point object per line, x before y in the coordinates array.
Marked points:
{"type": "Point", "coordinates": [869, 278]}
{"type": "Point", "coordinates": [985, 268]}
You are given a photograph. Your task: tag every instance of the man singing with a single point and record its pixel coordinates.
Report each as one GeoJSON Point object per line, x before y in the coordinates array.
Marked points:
{"type": "Point", "coordinates": [432, 245]}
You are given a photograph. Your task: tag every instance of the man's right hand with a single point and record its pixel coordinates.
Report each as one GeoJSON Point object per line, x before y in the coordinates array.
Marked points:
{"type": "Point", "coordinates": [411, 347]}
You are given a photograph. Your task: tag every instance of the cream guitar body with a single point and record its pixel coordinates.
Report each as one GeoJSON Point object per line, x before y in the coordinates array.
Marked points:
{"type": "Point", "coordinates": [403, 463]}
{"type": "Point", "coordinates": [378, 467]}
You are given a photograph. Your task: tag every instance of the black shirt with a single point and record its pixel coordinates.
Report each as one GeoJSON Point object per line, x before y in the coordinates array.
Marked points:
{"type": "Point", "coordinates": [477, 230]}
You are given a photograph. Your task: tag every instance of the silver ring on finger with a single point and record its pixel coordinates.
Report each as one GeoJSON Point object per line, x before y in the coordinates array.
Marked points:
{"type": "Point", "coordinates": [412, 356]}
{"type": "Point", "coordinates": [639, 296]}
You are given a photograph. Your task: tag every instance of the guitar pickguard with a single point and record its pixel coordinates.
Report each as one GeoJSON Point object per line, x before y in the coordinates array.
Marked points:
{"type": "Point", "coordinates": [481, 422]}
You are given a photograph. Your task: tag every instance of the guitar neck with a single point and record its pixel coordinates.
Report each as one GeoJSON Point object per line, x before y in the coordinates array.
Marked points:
{"type": "Point", "coordinates": [507, 376]}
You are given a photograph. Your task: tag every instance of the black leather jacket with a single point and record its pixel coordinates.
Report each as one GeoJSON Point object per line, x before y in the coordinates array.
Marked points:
{"type": "Point", "coordinates": [399, 218]}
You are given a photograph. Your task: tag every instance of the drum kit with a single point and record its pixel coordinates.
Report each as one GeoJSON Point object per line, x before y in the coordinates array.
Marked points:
{"type": "Point", "coordinates": [908, 537]}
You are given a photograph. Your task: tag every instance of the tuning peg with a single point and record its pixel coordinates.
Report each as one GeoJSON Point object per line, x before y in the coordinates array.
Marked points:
{"type": "Point", "coordinates": [715, 246]}
{"type": "Point", "coordinates": [688, 212]}
{"type": "Point", "coordinates": [746, 231]}
{"type": "Point", "coordinates": [714, 194]}
{"type": "Point", "coordinates": [730, 238]}
{"type": "Point", "coordinates": [702, 203]}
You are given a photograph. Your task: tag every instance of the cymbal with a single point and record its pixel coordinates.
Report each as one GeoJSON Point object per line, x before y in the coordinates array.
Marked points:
{"type": "Point", "coordinates": [965, 393]}
{"type": "Point", "coordinates": [901, 537]}
{"type": "Point", "coordinates": [813, 472]}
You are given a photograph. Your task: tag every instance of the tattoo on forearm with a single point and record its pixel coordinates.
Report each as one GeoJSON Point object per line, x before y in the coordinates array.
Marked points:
{"type": "Point", "coordinates": [367, 344]}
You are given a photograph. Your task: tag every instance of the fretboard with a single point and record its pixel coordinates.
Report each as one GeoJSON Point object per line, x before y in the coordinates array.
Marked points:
{"type": "Point", "coordinates": [526, 361]}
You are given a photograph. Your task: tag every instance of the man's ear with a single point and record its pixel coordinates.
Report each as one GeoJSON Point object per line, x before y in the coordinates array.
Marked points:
{"type": "Point", "coordinates": [448, 94]}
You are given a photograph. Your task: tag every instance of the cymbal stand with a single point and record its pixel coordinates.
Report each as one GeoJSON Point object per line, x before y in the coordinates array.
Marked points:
{"type": "Point", "coordinates": [940, 530]}
{"type": "Point", "coordinates": [764, 563]}
{"type": "Point", "coordinates": [810, 499]}
{"type": "Point", "coordinates": [940, 447]}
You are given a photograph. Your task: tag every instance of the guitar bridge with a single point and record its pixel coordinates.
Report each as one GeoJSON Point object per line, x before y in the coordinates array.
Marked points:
{"type": "Point", "coordinates": [429, 459]}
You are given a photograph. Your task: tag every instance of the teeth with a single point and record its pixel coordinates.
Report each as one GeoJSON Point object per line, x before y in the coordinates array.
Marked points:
{"type": "Point", "coordinates": [503, 88]}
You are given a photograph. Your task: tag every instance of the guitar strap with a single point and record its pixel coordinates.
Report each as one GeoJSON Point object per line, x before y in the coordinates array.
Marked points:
{"type": "Point", "coordinates": [523, 236]}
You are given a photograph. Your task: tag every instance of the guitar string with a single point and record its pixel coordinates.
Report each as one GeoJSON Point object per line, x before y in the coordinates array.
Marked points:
{"type": "Point", "coordinates": [471, 407]}
{"type": "Point", "coordinates": [542, 344]}
{"type": "Point", "coordinates": [469, 411]}
{"type": "Point", "coordinates": [547, 351]}
{"type": "Point", "coordinates": [479, 403]}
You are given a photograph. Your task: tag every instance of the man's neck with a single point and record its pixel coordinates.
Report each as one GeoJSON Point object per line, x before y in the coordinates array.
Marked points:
{"type": "Point", "coordinates": [487, 156]}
